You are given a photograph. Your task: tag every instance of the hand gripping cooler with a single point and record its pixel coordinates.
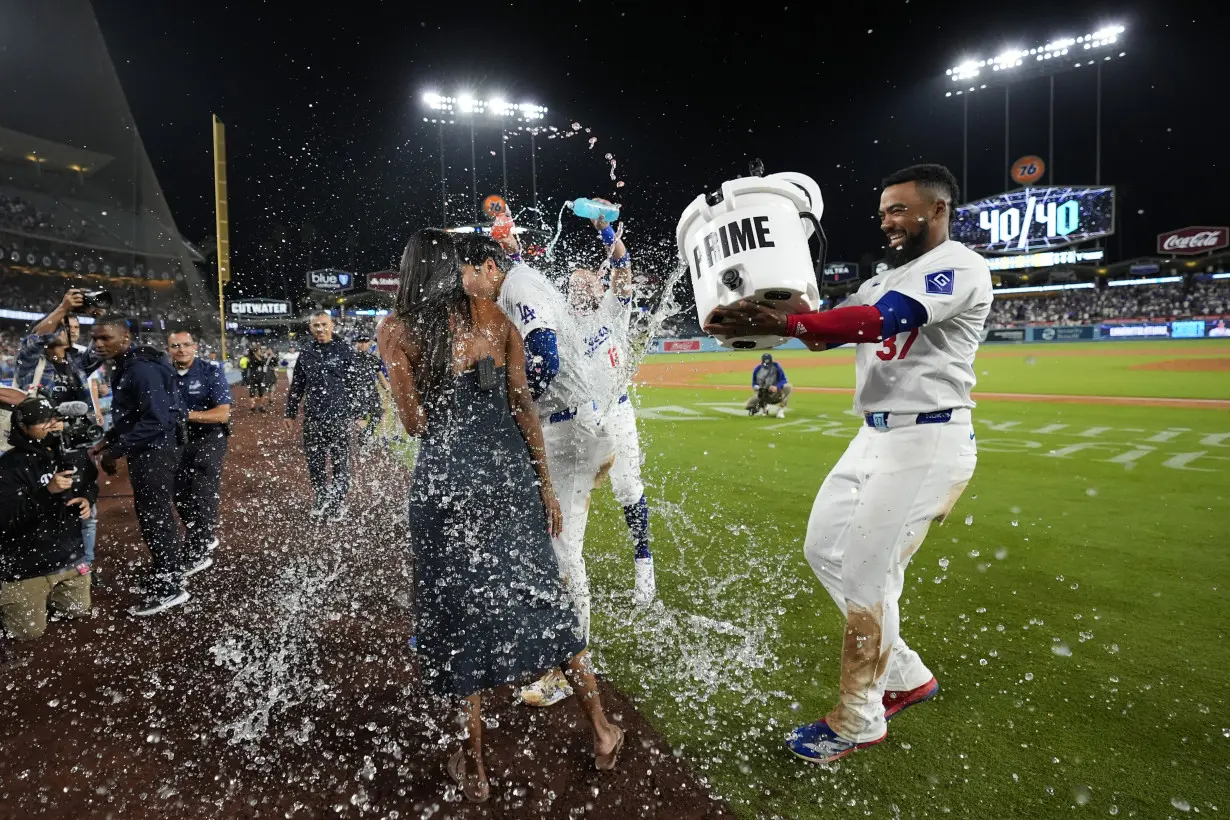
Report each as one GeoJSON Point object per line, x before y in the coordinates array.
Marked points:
{"type": "Point", "coordinates": [749, 241]}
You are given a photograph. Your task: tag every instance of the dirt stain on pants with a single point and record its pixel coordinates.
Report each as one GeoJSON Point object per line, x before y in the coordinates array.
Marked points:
{"type": "Point", "coordinates": [862, 664]}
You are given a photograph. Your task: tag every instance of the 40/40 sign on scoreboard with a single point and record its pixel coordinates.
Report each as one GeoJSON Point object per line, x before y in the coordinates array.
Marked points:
{"type": "Point", "coordinates": [1034, 219]}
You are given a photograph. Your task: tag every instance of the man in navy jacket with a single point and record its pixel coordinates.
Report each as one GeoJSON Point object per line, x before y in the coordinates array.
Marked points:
{"type": "Point", "coordinates": [324, 382]}
{"type": "Point", "coordinates": [147, 415]}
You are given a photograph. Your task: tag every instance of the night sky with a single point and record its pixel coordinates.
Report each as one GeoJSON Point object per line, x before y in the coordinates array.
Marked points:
{"type": "Point", "coordinates": [328, 150]}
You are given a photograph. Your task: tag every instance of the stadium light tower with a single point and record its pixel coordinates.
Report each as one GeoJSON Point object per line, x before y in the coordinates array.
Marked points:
{"type": "Point", "coordinates": [1016, 64]}
{"type": "Point", "coordinates": [466, 109]}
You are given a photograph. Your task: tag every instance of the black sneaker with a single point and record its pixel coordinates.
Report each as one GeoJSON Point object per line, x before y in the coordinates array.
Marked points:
{"type": "Point", "coordinates": [155, 604]}
{"type": "Point", "coordinates": [195, 565]}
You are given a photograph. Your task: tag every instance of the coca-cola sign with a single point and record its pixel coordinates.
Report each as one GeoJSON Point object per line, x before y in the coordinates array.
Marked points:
{"type": "Point", "coordinates": [1193, 240]}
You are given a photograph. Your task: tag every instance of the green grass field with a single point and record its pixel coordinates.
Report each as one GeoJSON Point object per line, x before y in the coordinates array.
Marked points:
{"type": "Point", "coordinates": [1075, 607]}
{"type": "Point", "coordinates": [1036, 368]}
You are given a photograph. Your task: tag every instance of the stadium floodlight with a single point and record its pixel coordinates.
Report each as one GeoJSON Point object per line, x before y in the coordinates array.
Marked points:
{"type": "Point", "coordinates": [465, 109]}
{"type": "Point", "coordinates": [1009, 66]}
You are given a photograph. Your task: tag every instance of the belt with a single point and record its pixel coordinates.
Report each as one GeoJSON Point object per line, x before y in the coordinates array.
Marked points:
{"type": "Point", "coordinates": [623, 398]}
{"type": "Point", "coordinates": [881, 421]}
{"type": "Point", "coordinates": [570, 413]}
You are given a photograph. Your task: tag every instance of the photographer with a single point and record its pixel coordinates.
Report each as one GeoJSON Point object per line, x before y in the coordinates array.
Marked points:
{"type": "Point", "coordinates": [41, 547]}
{"type": "Point", "coordinates": [207, 398]}
{"type": "Point", "coordinates": [146, 417]}
{"type": "Point", "coordinates": [771, 388]}
{"type": "Point", "coordinates": [62, 322]}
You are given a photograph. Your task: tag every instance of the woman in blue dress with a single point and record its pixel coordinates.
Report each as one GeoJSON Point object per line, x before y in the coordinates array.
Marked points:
{"type": "Point", "coordinates": [491, 606]}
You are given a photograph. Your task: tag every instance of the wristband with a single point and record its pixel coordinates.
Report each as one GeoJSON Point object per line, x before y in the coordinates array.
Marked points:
{"type": "Point", "coordinates": [608, 235]}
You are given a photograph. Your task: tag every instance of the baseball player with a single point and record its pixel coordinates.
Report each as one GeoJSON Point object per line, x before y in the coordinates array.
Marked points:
{"type": "Point", "coordinates": [917, 327]}
{"type": "Point", "coordinates": [604, 316]}
{"type": "Point", "coordinates": [579, 451]}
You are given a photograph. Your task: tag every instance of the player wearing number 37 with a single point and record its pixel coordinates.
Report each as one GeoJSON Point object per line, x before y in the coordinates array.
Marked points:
{"type": "Point", "coordinates": [917, 327]}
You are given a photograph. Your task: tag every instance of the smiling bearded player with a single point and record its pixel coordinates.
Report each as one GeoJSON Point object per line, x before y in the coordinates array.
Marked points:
{"type": "Point", "coordinates": [917, 327]}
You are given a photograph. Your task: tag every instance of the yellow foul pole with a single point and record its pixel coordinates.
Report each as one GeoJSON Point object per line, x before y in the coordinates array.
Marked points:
{"type": "Point", "coordinates": [223, 223]}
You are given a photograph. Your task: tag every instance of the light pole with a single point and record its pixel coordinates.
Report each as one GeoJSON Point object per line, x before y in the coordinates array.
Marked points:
{"type": "Point", "coordinates": [467, 110]}
{"type": "Point", "coordinates": [1015, 65]}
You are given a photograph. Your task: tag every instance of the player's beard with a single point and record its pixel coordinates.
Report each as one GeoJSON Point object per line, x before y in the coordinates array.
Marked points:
{"type": "Point", "coordinates": [907, 251]}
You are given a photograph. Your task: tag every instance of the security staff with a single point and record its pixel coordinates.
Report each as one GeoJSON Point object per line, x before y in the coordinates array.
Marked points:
{"type": "Point", "coordinates": [324, 376]}
{"type": "Point", "coordinates": [207, 398]}
{"type": "Point", "coordinates": [146, 416]}
{"type": "Point", "coordinates": [369, 379]}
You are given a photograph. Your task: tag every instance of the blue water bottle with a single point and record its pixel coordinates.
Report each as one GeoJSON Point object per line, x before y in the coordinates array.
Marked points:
{"type": "Point", "coordinates": [592, 209]}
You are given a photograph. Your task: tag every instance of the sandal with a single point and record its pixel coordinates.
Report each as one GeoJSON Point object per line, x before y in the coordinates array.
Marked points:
{"type": "Point", "coordinates": [457, 770]}
{"type": "Point", "coordinates": [606, 762]}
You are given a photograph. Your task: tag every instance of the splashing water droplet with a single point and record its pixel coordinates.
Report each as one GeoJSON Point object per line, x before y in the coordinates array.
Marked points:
{"type": "Point", "coordinates": [1001, 553]}
{"type": "Point", "coordinates": [1091, 492]}
{"type": "Point", "coordinates": [592, 141]}
{"type": "Point", "coordinates": [576, 126]}
{"type": "Point", "coordinates": [943, 563]}
{"type": "Point", "coordinates": [1062, 650]}
{"type": "Point", "coordinates": [1082, 795]}
{"type": "Point", "coordinates": [969, 520]}
{"type": "Point", "coordinates": [1180, 804]}
{"type": "Point", "coordinates": [1029, 676]}
{"type": "Point", "coordinates": [1016, 523]}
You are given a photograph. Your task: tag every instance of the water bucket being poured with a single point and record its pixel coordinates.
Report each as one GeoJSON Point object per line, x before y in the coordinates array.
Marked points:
{"type": "Point", "coordinates": [750, 241]}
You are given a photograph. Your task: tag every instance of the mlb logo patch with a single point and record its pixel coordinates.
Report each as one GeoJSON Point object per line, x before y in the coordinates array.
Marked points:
{"type": "Point", "coordinates": [940, 282]}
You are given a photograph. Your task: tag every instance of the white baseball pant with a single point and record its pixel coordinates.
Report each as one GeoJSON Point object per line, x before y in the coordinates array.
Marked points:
{"type": "Point", "coordinates": [620, 424]}
{"type": "Point", "coordinates": [869, 518]}
{"type": "Point", "coordinates": [579, 455]}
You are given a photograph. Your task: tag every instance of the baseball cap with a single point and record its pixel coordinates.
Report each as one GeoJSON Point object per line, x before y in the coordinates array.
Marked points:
{"type": "Point", "coordinates": [766, 358]}
{"type": "Point", "coordinates": [34, 410]}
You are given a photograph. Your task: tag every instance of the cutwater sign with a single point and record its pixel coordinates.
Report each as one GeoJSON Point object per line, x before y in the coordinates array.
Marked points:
{"type": "Point", "coordinates": [328, 279]}
{"type": "Point", "coordinates": [259, 308]}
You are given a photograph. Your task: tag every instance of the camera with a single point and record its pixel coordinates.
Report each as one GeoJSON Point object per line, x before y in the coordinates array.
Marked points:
{"type": "Point", "coordinates": [79, 433]}
{"type": "Point", "coordinates": [96, 299]}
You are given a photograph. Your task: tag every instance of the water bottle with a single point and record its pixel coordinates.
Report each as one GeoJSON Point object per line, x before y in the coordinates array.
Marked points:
{"type": "Point", "coordinates": [592, 209]}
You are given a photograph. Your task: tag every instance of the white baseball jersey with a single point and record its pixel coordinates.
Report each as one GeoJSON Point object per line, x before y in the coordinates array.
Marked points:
{"type": "Point", "coordinates": [533, 303]}
{"type": "Point", "coordinates": [931, 368]}
{"type": "Point", "coordinates": [605, 337]}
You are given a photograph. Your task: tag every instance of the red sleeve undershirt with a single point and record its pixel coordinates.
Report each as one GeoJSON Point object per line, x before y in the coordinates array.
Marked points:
{"type": "Point", "coordinates": [843, 325]}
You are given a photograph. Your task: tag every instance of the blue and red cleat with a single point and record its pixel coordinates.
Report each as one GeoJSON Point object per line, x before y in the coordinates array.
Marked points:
{"type": "Point", "coordinates": [817, 743]}
{"type": "Point", "coordinates": [897, 702]}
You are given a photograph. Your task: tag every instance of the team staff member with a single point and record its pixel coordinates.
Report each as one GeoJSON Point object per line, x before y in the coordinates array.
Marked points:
{"type": "Point", "coordinates": [323, 380]}
{"type": "Point", "coordinates": [770, 387]}
{"type": "Point", "coordinates": [369, 379]}
{"type": "Point", "coordinates": [207, 398]}
{"type": "Point", "coordinates": [917, 326]}
{"type": "Point", "coordinates": [146, 415]}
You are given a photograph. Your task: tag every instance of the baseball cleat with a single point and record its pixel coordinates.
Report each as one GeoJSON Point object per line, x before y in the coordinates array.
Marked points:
{"type": "Point", "coordinates": [155, 604]}
{"type": "Point", "coordinates": [781, 412]}
{"type": "Point", "coordinates": [643, 592]}
{"type": "Point", "coordinates": [817, 743]}
{"type": "Point", "coordinates": [897, 702]}
{"type": "Point", "coordinates": [548, 690]}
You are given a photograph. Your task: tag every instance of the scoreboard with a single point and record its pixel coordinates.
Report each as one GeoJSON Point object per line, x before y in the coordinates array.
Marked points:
{"type": "Point", "coordinates": [1029, 220]}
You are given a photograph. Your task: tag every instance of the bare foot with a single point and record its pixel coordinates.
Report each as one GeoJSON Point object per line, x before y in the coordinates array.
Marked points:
{"type": "Point", "coordinates": [607, 745]}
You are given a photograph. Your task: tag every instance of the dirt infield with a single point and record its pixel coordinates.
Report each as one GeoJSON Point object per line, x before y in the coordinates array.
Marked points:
{"type": "Point", "coordinates": [285, 688]}
{"type": "Point", "coordinates": [1187, 365]}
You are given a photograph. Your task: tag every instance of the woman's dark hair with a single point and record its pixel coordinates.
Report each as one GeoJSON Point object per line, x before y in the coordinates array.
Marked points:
{"type": "Point", "coordinates": [429, 296]}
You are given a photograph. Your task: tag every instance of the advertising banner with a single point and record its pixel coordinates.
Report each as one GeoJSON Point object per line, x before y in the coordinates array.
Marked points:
{"type": "Point", "coordinates": [1006, 334]}
{"type": "Point", "coordinates": [1063, 334]}
{"type": "Point", "coordinates": [681, 346]}
{"type": "Point", "coordinates": [1142, 331]}
{"type": "Point", "coordinates": [258, 309]}
{"type": "Point", "coordinates": [835, 272]}
{"type": "Point", "coordinates": [330, 280]}
{"type": "Point", "coordinates": [385, 281]}
{"type": "Point", "coordinates": [1193, 240]}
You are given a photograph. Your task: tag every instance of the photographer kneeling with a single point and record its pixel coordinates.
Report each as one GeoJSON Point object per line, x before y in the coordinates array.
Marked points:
{"type": "Point", "coordinates": [40, 526]}
{"type": "Point", "coordinates": [769, 382]}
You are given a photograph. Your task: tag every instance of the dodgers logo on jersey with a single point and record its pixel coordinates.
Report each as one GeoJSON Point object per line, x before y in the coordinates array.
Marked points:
{"type": "Point", "coordinates": [526, 312]}
{"type": "Point", "coordinates": [592, 343]}
{"type": "Point", "coordinates": [940, 282]}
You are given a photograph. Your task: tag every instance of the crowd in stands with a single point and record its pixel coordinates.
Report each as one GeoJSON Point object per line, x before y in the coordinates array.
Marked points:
{"type": "Point", "coordinates": [1177, 300]}
{"type": "Point", "coordinates": [19, 215]}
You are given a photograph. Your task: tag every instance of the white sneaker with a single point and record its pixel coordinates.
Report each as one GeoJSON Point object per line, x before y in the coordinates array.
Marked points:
{"type": "Point", "coordinates": [643, 592]}
{"type": "Point", "coordinates": [781, 412]}
{"type": "Point", "coordinates": [548, 690]}
{"type": "Point", "coordinates": [154, 605]}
